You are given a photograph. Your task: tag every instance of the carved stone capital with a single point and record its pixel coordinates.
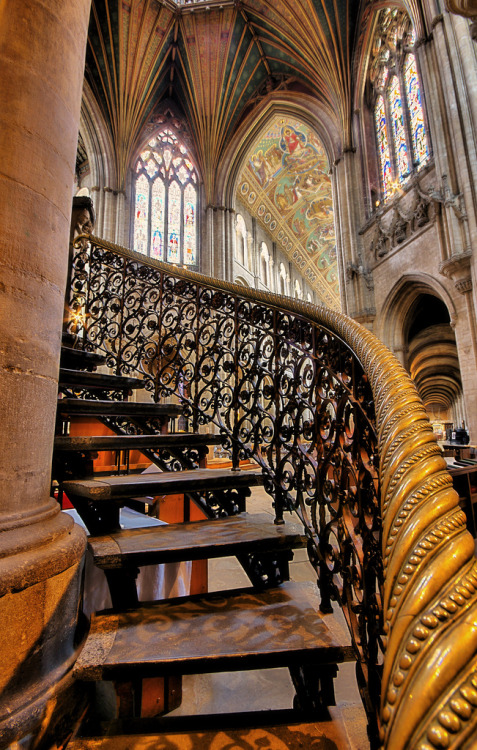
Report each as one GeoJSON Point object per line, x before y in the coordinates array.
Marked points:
{"type": "Point", "coordinates": [463, 286]}
{"type": "Point", "coordinates": [457, 268]}
{"type": "Point", "coordinates": [467, 8]}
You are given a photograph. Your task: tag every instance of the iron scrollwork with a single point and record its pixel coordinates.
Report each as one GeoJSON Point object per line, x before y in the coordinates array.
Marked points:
{"type": "Point", "coordinates": [344, 442]}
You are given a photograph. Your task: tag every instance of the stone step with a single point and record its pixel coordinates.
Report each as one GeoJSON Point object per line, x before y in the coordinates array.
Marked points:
{"type": "Point", "coordinates": [89, 380]}
{"type": "Point", "coordinates": [108, 488]}
{"type": "Point", "coordinates": [236, 535]}
{"type": "Point", "coordinates": [135, 442]}
{"type": "Point", "coordinates": [80, 359]}
{"type": "Point", "coordinates": [72, 407]}
{"type": "Point", "coordinates": [226, 631]}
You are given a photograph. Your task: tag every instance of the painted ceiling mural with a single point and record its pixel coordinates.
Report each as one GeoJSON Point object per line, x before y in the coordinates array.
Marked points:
{"type": "Point", "coordinates": [215, 61]}
{"type": "Point", "coordinates": [286, 184]}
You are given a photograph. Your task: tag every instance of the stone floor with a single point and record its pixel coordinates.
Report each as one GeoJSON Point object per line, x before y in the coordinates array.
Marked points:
{"type": "Point", "coordinates": [272, 689]}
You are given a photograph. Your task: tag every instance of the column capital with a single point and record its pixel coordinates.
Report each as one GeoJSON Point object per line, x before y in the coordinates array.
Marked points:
{"type": "Point", "coordinates": [457, 268]}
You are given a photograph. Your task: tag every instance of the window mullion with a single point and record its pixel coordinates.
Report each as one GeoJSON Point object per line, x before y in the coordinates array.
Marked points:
{"type": "Point", "coordinates": [181, 238]}
{"type": "Point", "coordinates": [149, 220]}
{"type": "Point", "coordinates": [406, 116]}
{"type": "Point", "coordinates": [166, 219]}
{"type": "Point", "coordinates": [391, 136]}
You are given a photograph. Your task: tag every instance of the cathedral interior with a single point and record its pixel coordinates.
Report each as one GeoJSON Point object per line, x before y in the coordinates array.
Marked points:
{"type": "Point", "coordinates": [274, 206]}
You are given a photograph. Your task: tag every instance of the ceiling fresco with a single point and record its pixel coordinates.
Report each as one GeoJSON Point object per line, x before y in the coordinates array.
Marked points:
{"type": "Point", "coordinates": [215, 61]}
{"type": "Point", "coordinates": [286, 184]}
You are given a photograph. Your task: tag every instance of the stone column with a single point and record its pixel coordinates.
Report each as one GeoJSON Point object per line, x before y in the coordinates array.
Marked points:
{"type": "Point", "coordinates": [42, 51]}
{"type": "Point", "coordinates": [458, 268]}
{"type": "Point", "coordinates": [216, 247]}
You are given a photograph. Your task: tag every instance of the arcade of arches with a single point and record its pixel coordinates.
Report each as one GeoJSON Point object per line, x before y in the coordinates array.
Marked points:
{"type": "Point", "coordinates": [323, 150]}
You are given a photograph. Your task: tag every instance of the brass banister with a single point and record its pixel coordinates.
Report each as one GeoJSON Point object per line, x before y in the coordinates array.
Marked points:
{"type": "Point", "coordinates": [297, 398]}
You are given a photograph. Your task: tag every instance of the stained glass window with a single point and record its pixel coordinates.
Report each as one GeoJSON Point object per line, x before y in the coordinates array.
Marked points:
{"type": "Point", "coordinates": [399, 117]}
{"type": "Point", "coordinates": [383, 146]}
{"type": "Point", "coordinates": [174, 223]}
{"type": "Point", "coordinates": [420, 148]}
{"type": "Point", "coordinates": [157, 220]}
{"type": "Point", "coordinates": [190, 226]}
{"type": "Point", "coordinates": [399, 134]}
{"type": "Point", "coordinates": [166, 202]}
{"type": "Point", "coordinates": [141, 219]}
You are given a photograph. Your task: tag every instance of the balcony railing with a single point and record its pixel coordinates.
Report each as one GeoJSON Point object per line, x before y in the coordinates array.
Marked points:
{"type": "Point", "coordinates": [344, 442]}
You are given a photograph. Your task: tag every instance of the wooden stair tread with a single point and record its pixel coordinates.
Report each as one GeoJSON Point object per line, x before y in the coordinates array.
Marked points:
{"type": "Point", "coordinates": [83, 379]}
{"type": "Point", "coordinates": [134, 442]}
{"type": "Point", "coordinates": [240, 629]}
{"type": "Point", "coordinates": [83, 406]}
{"type": "Point", "coordinates": [287, 733]}
{"type": "Point", "coordinates": [195, 540]}
{"type": "Point", "coordinates": [80, 358]}
{"type": "Point", "coordinates": [160, 483]}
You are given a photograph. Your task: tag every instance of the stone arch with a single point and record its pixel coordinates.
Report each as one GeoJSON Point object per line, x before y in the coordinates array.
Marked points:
{"type": "Point", "coordinates": [301, 107]}
{"type": "Point", "coordinates": [397, 304]}
{"type": "Point", "coordinates": [313, 257]}
{"type": "Point", "coordinates": [241, 281]}
{"type": "Point", "coordinates": [418, 323]}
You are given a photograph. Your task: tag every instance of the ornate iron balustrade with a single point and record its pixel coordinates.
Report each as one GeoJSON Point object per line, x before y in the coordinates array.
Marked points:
{"type": "Point", "coordinates": [344, 441]}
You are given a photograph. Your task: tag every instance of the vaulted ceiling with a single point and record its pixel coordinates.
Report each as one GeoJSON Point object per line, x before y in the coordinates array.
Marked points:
{"type": "Point", "coordinates": [215, 60]}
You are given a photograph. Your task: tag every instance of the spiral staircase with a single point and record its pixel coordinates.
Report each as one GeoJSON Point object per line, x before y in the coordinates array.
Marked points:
{"type": "Point", "coordinates": [333, 428]}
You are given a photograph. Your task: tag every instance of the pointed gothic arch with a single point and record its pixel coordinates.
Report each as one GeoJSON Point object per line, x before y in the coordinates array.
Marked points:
{"type": "Point", "coordinates": [287, 235]}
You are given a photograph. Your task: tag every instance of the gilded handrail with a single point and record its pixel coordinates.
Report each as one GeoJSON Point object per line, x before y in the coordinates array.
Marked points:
{"type": "Point", "coordinates": [429, 680]}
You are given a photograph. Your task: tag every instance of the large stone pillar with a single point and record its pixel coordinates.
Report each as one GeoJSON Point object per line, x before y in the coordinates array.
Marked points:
{"type": "Point", "coordinates": [357, 291]}
{"type": "Point", "coordinates": [42, 51]}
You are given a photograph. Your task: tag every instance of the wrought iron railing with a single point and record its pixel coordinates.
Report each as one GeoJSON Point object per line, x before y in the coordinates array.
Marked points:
{"type": "Point", "coordinates": [343, 440]}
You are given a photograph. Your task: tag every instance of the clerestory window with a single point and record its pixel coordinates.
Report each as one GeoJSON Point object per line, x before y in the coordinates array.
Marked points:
{"type": "Point", "coordinates": [166, 202]}
{"type": "Point", "coordinates": [399, 116]}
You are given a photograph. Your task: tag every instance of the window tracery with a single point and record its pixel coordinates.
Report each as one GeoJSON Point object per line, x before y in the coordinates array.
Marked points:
{"type": "Point", "coordinates": [166, 202]}
{"type": "Point", "coordinates": [399, 117]}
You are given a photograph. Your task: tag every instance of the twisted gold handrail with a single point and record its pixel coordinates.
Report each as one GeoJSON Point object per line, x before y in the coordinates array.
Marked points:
{"type": "Point", "coordinates": [429, 687]}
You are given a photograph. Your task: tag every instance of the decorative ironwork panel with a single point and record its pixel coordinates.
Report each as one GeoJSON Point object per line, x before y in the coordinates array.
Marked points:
{"type": "Point", "coordinates": [277, 387]}
{"type": "Point", "coordinates": [343, 440]}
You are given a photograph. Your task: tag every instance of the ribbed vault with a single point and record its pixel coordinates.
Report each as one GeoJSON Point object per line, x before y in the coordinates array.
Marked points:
{"type": "Point", "coordinates": [216, 62]}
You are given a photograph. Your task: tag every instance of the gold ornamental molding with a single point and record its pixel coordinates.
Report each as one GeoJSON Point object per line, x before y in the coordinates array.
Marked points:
{"type": "Point", "coordinates": [429, 686]}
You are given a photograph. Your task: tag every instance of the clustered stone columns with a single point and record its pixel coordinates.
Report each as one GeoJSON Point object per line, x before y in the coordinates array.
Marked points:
{"type": "Point", "coordinates": [42, 52]}
{"type": "Point", "coordinates": [355, 281]}
{"type": "Point", "coordinates": [459, 269]}
{"type": "Point", "coordinates": [217, 235]}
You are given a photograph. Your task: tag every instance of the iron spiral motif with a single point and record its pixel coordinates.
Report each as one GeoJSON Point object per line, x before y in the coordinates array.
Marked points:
{"type": "Point", "coordinates": [343, 440]}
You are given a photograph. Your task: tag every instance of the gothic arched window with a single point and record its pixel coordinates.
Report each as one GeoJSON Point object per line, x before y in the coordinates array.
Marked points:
{"type": "Point", "coordinates": [283, 280]}
{"type": "Point", "coordinates": [241, 240]}
{"type": "Point", "coordinates": [264, 261]}
{"type": "Point", "coordinates": [166, 202]}
{"type": "Point", "coordinates": [399, 118]}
